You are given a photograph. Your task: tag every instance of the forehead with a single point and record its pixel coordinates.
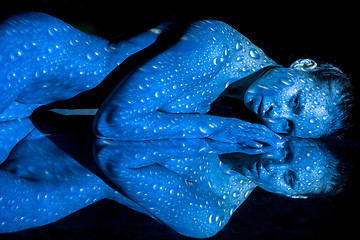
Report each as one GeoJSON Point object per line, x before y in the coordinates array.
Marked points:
{"type": "Point", "coordinates": [310, 163]}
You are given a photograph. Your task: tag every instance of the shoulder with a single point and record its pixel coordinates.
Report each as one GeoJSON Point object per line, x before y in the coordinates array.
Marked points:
{"type": "Point", "coordinates": [30, 19]}
{"type": "Point", "coordinates": [220, 36]}
{"type": "Point", "coordinates": [215, 29]}
{"type": "Point", "coordinates": [208, 38]}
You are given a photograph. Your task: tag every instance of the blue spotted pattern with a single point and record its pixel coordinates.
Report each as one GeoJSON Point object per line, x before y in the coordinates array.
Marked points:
{"type": "Point", "coordinates": [180, 182]}
{"type": "Point", "coordinates": [186, 78]}
{"type": "Point", "coordinates": [192, 185]}
{"type": "Point", "coordinates": [44, 59]}
{"type": "Point", "coordinates": [41, 185]}
{"type": "Point", "coordinates": [184, 184]}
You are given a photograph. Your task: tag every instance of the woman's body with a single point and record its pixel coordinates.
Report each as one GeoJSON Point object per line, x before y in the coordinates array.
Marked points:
{"type": "Point", "coordinates": [168, 96]}
{"type": "Point", "coordinates": [45, 59]}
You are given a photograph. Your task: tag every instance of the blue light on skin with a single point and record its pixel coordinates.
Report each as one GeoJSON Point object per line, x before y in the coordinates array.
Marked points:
{"type": "Point", "coordinates": [299, 170]}
{"type": "Point", "coordinates": [45, 60]}
{"type": "Point", "coordinates": [13, 132]}
{"type": "Point", "coordinates": [192, 186]}
{"type": "Point", "coordinates": [42, 184]}
{"type": "Point", "coordinates": [180, 182]}
{"type": "Point", "coordinates": [288, 101]}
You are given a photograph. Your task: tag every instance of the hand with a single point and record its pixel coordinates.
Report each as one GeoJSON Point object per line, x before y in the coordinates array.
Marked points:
{"type": "Point", "coordinates": [245, 133]}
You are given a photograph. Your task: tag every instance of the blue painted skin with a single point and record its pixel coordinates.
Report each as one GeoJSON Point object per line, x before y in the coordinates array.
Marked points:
{"type": "Point", "coordinates": [41, 185]}
{"type": "Point", "coordinates": [180, 182]}
{"type": "Point", "coordinates": [44, 59]}
{"type": "Point", "coordinates": [13, 132]}
{"type": "Point", "coordinates": [186, 78]}
{"type": "Point", "coordinates": [288, 101]}
{"type": "Point", "coordinates": [183, 183]}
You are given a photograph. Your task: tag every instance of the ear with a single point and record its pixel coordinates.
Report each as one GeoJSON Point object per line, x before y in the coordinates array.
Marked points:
{"type": "Point", "coordinates": [304, 65]}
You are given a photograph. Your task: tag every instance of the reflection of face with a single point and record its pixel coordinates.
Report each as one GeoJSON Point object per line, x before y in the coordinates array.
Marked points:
{"type": "Point", "coordinates": [288, 101]}
{"type": "Point", "coordinates": [303, 170]}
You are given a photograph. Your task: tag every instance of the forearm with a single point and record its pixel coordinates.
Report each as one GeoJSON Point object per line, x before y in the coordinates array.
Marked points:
{"type": "Point", "coordinates": [158, 125]}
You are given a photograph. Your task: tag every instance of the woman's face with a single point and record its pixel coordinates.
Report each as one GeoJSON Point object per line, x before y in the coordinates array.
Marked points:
{"type": "Point", "coordinates": [288, 101]}
{"type": "Point", "coordinates": [301, 169]}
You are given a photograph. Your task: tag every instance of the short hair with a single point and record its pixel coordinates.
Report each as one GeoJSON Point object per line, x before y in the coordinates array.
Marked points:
{"type": "Point", "coordinates": [341, 96]}
{"type": "Point", "coordinates": [337, 168]}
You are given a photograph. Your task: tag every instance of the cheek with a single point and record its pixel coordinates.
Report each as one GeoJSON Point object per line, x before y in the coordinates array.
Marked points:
{"type": "Point", "coordinates": [262, 89]}
{"type": "Point", "coordinates": [277, 125]}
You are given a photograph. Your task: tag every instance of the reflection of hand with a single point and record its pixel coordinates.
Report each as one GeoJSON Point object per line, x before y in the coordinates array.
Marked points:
{"type": "Point", "coordinates": [225, 147]}
{"type": "Point", "coordinates": [245, 133]}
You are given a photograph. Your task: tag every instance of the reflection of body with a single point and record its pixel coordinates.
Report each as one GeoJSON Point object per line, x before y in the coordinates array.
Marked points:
{"type": "Point", "coordinates": [47, 60]}
{"type": "Point", "coordinates": [42, 184]}
{"type": "Point", "coordinates": [184, 184]}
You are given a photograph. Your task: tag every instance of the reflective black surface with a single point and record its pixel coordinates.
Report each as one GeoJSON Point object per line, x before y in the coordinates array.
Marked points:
{"type": "Point", "coordinates": [60, 182]}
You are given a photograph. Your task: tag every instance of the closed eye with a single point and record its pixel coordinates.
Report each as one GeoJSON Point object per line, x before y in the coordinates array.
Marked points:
{"type": "Point", "coordinates": [295, 104]}
{"type": "Point", "coordinates": [290, 178]}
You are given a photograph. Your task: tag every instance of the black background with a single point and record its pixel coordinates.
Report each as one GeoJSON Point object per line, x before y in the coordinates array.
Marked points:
{"type": "Point", "coordinates": [286, 32]}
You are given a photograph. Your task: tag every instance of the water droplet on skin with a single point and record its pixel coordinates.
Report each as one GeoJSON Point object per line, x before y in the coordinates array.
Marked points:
{"type": "Point", "coordinates": [286, 81]}
{"type": "Point", "coordinates": [263, 86]}
{"type": "Point", "coordinates": [215, 63]}
{"type": "Point", "coordinates": [238, 46]}
{"type": "Point", "coordinates": [239, 59]}
{"type": "Point", "coordinates": [254, 53]}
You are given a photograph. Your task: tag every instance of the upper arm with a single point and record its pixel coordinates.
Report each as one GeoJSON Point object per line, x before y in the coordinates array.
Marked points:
{"type": "Point", "coordinates": [193, 61]}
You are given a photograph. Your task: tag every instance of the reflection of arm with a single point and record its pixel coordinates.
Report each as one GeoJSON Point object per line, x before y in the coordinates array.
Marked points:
{"type": "Point", "coordinates": [41, 185]}
{"type": "Point", "coordinates": [192, 193]}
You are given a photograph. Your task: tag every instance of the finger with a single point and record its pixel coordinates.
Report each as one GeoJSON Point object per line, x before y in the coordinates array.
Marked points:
{"type": "Point", "coordinates": [252, 151]}
{"type": "Point", "coordinates": [267, 136]}
{"type": "Point", "coordinates": [259, 137]}
{"type": "Point", "coordinates": [268, 132]}
{"type": "Point", "coordinates": [249, 142]}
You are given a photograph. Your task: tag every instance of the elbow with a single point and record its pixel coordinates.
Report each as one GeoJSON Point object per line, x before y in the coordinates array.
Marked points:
{"type": "Point", "coordinates": [106, 126]}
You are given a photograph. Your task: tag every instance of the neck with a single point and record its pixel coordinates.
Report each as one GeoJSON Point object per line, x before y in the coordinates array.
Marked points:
{"type": "Point", "coordinates": [230, 102]}
{"type": "Point", "coordinates": [238, 89]}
